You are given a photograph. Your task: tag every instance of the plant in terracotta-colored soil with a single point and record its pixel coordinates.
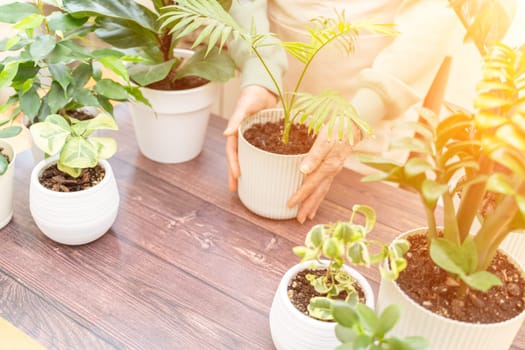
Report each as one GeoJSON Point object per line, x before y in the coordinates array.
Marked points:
{"type": "Point", "coordinates": [486, 148]}
{"type": "Point", "coordinates": [346, 241]}
{"type": "Point", "coordinates": [313, 110]}
{"type": "Point", "coordinates": [136, 30]}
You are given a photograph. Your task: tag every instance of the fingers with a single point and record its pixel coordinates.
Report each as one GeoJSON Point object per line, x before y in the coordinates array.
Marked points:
{"type": "Point", "coordinates": [317, 154]}
{"type": "Point", "coordinates": [233, 162]}
{"type": "Point", "coordinates": [309, 207]}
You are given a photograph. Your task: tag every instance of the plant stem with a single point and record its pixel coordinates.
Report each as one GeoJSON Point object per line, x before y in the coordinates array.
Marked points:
{"type": "Point", "coordinates": [451, 223]}
{"type": "Point", "coordinates": [431, 223]}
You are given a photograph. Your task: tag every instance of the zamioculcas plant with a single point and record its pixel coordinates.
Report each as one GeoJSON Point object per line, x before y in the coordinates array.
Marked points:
{"type": "Point", "coordinates": [136, 29]}
{"type": "Point", "coordinates": [361, 328]}
{"type": "Point", "coordinates": [72, 139]}
{"type": "Point", "coordinates": [315, 110]}
{"type": "Point", "coordinates": [346, 241]}
{"type": "Point", "coordinates": [487, 149]}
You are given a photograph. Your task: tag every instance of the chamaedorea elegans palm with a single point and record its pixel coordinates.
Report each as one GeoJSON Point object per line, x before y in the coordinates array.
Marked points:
{"type": "Point", "coordinates": [314, 110]}
{"type": "Point", "coordinates": [487, 149]}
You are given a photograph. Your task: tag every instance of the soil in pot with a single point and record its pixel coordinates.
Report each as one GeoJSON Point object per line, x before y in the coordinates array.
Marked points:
{"type": "Point", "coordinates": [434, 289]}
{"type": "Point", "coordinates": [55, 180]}
{"type": "Point", "coordinates": [185, 83]}
{"type": "Point", "coordinates": [300, 291]}
{"type": "Point", "coordinates": [267, 136]}
{"type": "Point", "coordinates": [4, 155]}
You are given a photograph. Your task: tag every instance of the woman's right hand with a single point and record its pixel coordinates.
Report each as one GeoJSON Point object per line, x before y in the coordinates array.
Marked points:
{"type": "Point", "coordinates": [253, 99]}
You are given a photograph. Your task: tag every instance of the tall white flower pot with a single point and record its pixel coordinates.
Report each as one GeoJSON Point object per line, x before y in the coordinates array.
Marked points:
{"type": "Point", "coordinates": [293, 330]}
{"type": "Point", "coordinates": [74, 218]}
{"type": "Point", "coordinates": [6, 185]}
{"type": "Point", "coordinates": [444, 333]}
{"type": "Point", "coordinates": [176, 133]}
{"type": "Point", "coordinates": [267, 180]}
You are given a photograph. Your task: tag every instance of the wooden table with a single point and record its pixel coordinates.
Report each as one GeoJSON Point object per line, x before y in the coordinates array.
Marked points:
{"type": "Point", "coordinates": [185, 266]}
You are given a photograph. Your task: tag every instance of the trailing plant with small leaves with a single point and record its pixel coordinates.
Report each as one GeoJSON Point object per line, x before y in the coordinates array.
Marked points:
{"type": "Point", "coordinates": [314, 110]}
{"type": "Point", "coordinates": [6, 132]}
{"type": "Point", "coordinates": [358, 327]}
{"type": "Point", "coordinates": [136, 30]}
{"type": "Point", "coordinates": [347, 241]}
{"type": "Point", "coordinates": [50, 71]}
{"type": "Point", "coordinates": [72, 140]}
{"type": "Point", "coordinates": [487, 149]}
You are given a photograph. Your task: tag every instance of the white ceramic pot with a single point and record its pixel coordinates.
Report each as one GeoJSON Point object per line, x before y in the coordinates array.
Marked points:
{"type": "Point", "coordinates": [6, 185]}
{"type": "Point", "coordinates": [267, 180]}
{"type": "Point", "coordinates": [176, 134]}
{"type": "Point", "coordinates": [292, 330]}
{"type": "Point", "coordinates": [444, 333]}
{"type": "Point", "coordinates": [514, 245]}
{"type": "Point", "coordinates": [77, 217]}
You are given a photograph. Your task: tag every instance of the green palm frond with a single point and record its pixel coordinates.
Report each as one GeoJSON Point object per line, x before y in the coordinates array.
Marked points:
{"type": "Point", "coordinates": [331, 108]}
{"type": "Point", "coordinates": [186, 16]}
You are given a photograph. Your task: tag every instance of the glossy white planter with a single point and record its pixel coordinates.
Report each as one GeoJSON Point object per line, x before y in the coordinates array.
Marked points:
{"type": "Point", "coordinates": [292, 330]}
{"type": "Point", "coordinates": [176, 134]}
{"type": "Point", "coordinates": [78, 217]}
{"type": "Point", "coordinates": [444, 333]}
{"type": "Point", "coordinates": [6, 185]}
{"type": "Point", "coordinates": [267, 180]}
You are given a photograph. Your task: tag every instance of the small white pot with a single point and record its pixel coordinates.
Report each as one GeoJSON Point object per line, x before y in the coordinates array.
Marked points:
{"type": "Point", "coordinates": [514, 245]}
{"type": "Point", "coordinates": [6, 185]}
{"type": "Point", "coordinates": [444, 333]}
{"type": "Point", "coordinates": [74, 218]}
{"type": "Point", "coordinates": [176, 134]}
{"type": "Point", "coordinates": [293, 330]}
{"type": "Point", "coordinates": [267, 180]}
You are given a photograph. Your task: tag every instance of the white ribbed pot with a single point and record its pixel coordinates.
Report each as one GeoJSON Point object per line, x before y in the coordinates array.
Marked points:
{"type": "Point", "coordinates": [444, 333]}
{"type": "Point", "coordinates": [176, 133]}
{"type": "Point", "coordinates": [267, 180]}
{"type": "Point", "coordinates": [74, 218]}
{"type": "Point", "coordinates": [514, 245]}
{"type": "Point", "coordinates": [6, 185]}
{"type": "Point", "coordinates": [293, 330]}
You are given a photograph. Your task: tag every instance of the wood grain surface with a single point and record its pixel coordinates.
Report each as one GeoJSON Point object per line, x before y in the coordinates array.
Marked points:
{"type": "Point", "coordinates": [185, 266]}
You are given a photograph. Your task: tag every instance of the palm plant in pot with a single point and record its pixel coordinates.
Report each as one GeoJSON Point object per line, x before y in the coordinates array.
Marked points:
{"type": "Point", "coordinates": [178, 83]}
{"type": "Point", "coordinates": [464, 284]}
{"type": "Point", "coordinates": [7, 172]}
{"type": "Point", "coordinates": [269, 176]}
{"type": "Point", "coordinates": [301, 312]}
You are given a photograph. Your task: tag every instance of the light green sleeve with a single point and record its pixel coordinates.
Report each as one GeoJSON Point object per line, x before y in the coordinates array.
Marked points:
{"type": "Point", "coordinates": [253, 72]}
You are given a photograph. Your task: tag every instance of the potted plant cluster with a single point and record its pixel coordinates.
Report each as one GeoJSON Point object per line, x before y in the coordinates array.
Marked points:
{"type": "Point", "coordinates": [270, 175]}
{"type": "Point", "coordinates": [7, 172]}
{"type": "Point", "coordinates": [177, 82]}
{"type": "Point", "coordinates": [54, 76]}
{"type": "Point", "coordinates": [464, 284]}
{"type": "Point", "coordinates": [301, 315]}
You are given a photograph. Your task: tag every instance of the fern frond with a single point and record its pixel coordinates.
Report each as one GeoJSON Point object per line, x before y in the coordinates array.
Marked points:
{"type": "Point", "coordinates": [331, 108]}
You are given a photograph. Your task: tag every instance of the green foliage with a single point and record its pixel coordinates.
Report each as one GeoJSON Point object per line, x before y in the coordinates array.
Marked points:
{"type": "Point", "coordinates": [347, 241]}
{"type": "Point", "coordinates": [50, 71]}
{"type": "Point", "coordinates": [187, 15]}
{"type": "Point", "coordinates": [71, 138]}
{"type": "Point", "coordinates": [135, 29]}
{"type": "Point", "coordinates": [360, 328]}
{"type": "Point", "coordinates": [487, 149]}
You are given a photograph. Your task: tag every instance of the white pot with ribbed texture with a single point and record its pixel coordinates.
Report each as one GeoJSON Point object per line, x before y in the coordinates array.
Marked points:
{"type": "Point", "coordinates": [176, 134]}
{"type": "Point", "coordinates": [293, 330]}
{"type": "Point", "coordinates": [514, 245]}
{"type": "Point", "coordinates": [74, 218]}
{"type": "Point", "coordinates": [444, 333]}
{"type": "Point", "coordinates": [267, 180]}
{"type": "Point", "coordinates": [6, 185]}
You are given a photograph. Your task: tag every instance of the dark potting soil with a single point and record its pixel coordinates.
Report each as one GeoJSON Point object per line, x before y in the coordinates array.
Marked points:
{"type": "Point", "coordinates": [300, 291]}
{"type": "Point", "coordinates": [3, 154]}
{"type": "Point", "coordinates": [80, 115]}
{"type": "Point", "coordinates": [434, 289]}
{"type": "Point", "coordinates": [267, 136]}
{"type": "Point", "coordinates": [57, 181]}
{"type": "Point", "coordinates": [168, 84]}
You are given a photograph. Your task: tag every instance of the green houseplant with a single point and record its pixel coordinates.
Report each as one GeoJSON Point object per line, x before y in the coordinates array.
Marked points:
{"type": "Point", "coordinates": [313, 111]}
{"type": "Point", "coordinates": [177, 82]}
{"type": "Point", "coordinates": [7, 169]}
{"type": "Point", "coordinates": [486, 149]}
{"type": "Point", "coordinates": [306, 295]}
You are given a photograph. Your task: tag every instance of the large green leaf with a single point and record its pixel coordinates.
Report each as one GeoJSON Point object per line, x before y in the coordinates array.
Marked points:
{"type": "Point", "coordinates": [102, 122]}
{"type": "Point", "coordinates": [10, 131]}
{"type": "Point", "coordinates": [59, 21]}
{"type": "Point", "coordinates": [42, 46]}
{"type": "Point", "coordinates": [124, 34]}
{"type": "Point", "coordinates": [8, 73]}
{"type": "Point", "coordinates": [79, 153]}
{"type": "Point", "coordinates": [56, 97]}
{"type": "Point", "coordinates": [111, 89]}
{"type": "Point", "coordinates": [448, 256]}
{"type": "Point", "coordinates": [122, 9]}
{"type": "Point", "coordinates": [30, 102]}
{"type": "Point", "coordinates": [215, 66]}
{"type": "Point", "coordinates": [344, 314]}
{"type": "Point", "coordinates": [61, 74]}
{"type": "Point", "coordinates": [50, 135]}
{"type": "Point", "coordinates": [145, 74]}
{"type": "Point", "coordinates": [15, 11]}
{"type": "Point", "coordinates": [106, 146]}
{"type": "Point", "coordinates": [387, 320]}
